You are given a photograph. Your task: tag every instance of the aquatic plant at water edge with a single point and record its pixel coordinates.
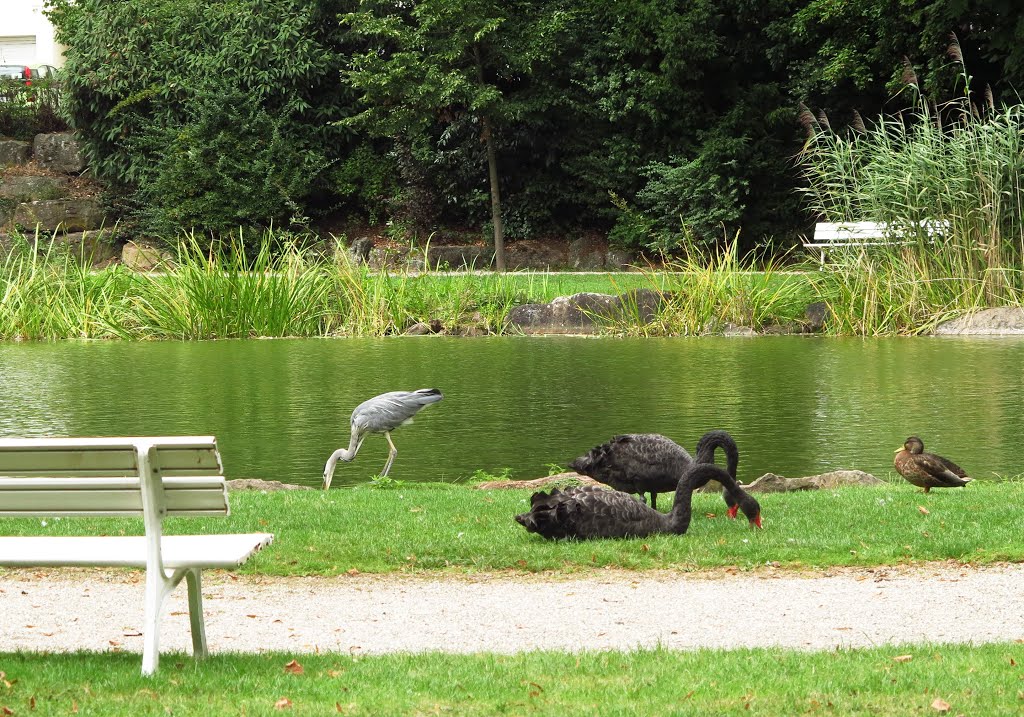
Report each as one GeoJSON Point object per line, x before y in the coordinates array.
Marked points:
{"type": "Point", "coordinates": [957, 166]}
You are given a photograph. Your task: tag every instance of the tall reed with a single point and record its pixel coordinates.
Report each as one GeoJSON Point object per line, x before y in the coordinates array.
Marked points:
{"type": "Point", "coordinates": [48, 292]}
{"type": "Point", "coordinates": [956, 165]}
{"type": "Point", "coordinates": [706, 293]}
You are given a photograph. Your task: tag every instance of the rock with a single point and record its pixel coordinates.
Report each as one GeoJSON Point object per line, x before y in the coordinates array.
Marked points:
{"type": "Point", "coordinates": [72, 215]}
{"type": "Point", "coordinates": [734, 330]}
{"type": "Point", "coordinates": [95, 248]}
{"type": "Point", "coordinates": [359, 250]}
{"type": "Point", "coordinates": [772, 483]}
{"type": "Point", "coordinates": [425, 328]}
{"type": "Point", "coordinates": [260, 484]}
{"type": "Point", "coordinates": [141, 257]}
{"type": "Point", "coordinates": [587, 253]}
{"type": "Point", "coordinates": [459, 257]}
{"type": "Point", "coordinates": [998, 321]}
{"type": "Point", "coordinates": [530, 254]}
{"type": "Point", "coordinates": [384, 257]}
{"type": "Point", "coordinates": [13, 151]}
{"type": "Point", "coordinates": [25, 189]}
{"type": "Point", "coordinates": [815, 316]}
{"type": "Point", "coordinates": [583, 313]}
{"type": "Point", "coordinates": [58, 151]}
{"type": "Point", "coordinates": [556, 481]}
{"type": "Point", "coordinates": [618, 258]}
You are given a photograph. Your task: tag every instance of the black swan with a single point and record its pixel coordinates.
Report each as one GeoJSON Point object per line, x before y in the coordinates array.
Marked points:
{"type": "Point", "coordinates": [381, 414]}
{"type": "Point", "coordinates": [651, 463]}
{"type": "Point", "coordinates": [927, 470]}
{"type": "Point", "coordinates": [587, 512]}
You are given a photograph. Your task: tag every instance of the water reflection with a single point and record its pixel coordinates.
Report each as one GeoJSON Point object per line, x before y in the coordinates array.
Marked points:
{"type": "Point", "coordinates": [796, 405]}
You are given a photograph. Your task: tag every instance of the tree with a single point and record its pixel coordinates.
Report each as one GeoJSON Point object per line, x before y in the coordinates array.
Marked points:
{"type": "Point", "coordinates": [432, 63]}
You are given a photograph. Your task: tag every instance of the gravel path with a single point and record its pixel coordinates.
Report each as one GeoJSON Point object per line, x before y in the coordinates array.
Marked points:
{"type": "Point", "coordinates": [102, 610]}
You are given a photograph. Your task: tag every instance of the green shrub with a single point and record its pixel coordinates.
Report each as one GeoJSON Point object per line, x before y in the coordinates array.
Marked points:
{"type": "Point", "coordinates": [228, 165]}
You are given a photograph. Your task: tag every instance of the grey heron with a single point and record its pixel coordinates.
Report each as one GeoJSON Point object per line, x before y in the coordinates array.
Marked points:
{"type": "Point", "coordinates": [381, 414]}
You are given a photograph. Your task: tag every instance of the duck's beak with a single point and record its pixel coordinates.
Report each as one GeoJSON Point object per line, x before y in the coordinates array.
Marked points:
{"type": "Point", "coordinates": [756, 521]}
{"type": "Point", "coordinates": [901, 448]}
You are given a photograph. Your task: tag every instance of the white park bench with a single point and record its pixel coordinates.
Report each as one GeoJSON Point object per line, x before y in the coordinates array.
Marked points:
{"type": "Point", "coordinates": [152, 477]}
{"type": "Point", "coordinates": [836, 235]}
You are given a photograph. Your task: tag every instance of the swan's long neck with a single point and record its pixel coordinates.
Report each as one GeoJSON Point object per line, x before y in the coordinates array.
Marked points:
{"type": "Point", "coordinates": [678, 519]}
{"type": "Point", "coordinates": [342, 454]}
{"type": "Point", "coordinates": [719, 439]}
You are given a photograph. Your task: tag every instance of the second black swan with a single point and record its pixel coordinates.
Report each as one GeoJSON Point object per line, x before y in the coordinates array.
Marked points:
{"type": "Point", "coordinates": [588, 512]}
{"type": "Point", "coordinates": [651, 463]}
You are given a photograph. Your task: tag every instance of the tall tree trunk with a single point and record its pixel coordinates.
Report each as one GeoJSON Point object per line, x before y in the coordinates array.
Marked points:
{"type": "Point", "coordinates": [492, 173]}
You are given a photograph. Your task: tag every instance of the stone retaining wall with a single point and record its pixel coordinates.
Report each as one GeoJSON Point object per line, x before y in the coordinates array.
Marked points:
{"type": "Point", "coordinates": [46, 202]}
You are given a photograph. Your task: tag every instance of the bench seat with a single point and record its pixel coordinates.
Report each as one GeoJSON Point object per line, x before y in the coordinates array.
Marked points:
{"type": "Point", "coordinates": [223, 551]}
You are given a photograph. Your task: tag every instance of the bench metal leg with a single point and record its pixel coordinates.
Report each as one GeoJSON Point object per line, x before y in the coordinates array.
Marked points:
{"type": "Point", "coordinates": [195, 611]}
{"type": "Point", "coordinates": [158, 587]}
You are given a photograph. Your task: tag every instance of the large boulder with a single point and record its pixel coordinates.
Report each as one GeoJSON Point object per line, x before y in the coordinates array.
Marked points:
{"type": "Point", "coordinates": [584, 313]}
{"type": "Point", "coordinates": [28, 188]}
{"type": "Point", "coordinates": [142, 257]}
{"type": "Point", "coordinates": [95, 248]}
{"type": "Point", "coordinates": [772, 483]}
{"type": "Point", "coordinates": [72, 215]}
{"type": "Point", "coordinates": [13, 152]}
{"type": "Point", "coordinates": [531, 254]}
{"type": "Point", "coordinates": [999, 321]}
{"type": "Point", "coordinates": [58, 151]}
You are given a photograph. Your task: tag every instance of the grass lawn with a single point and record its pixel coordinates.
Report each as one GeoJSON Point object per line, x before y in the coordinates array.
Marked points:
{"type": "Point", "coordinates": [916, 680]}
{"type": "Point", "coordinates": [436, 527]}
{"type": "Point", "coordinates": [455, 528]}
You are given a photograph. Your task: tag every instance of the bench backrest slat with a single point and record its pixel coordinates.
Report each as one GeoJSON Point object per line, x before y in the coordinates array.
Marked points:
{"type": "Point", "coordinates": [100, 476]}
{"type": "Point", "coordinates": [31, 497]}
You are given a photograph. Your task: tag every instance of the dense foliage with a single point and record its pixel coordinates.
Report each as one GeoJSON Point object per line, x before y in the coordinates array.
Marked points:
{"type": "Point", "coordinates": [27, 110]}
{"type": "Point", "coordinates": [657, 121]}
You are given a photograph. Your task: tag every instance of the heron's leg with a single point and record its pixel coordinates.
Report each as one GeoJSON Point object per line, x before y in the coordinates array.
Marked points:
{"type": "Point", "coordinates": [391, 454]}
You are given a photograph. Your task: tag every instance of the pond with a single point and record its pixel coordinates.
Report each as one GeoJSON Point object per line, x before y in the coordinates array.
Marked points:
{"type": "Point", "coordinates": [796, 405]}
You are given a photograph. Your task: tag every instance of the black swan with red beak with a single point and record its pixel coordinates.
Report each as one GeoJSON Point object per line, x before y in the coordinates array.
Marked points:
{"type": "Point", "coordinates": [588, 512]}
{"type": "Point", "coordinates": [651, 463]}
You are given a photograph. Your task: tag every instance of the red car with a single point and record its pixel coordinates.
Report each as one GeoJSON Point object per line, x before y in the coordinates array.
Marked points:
{"type": "Point", "coordinates": [25, 73]}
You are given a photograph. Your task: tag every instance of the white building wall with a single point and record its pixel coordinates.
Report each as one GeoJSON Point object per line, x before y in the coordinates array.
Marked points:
{"type": "Point", "coordinates": [22, 23]}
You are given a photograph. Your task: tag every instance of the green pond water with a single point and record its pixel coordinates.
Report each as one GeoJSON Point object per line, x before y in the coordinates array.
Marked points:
{"type": "Point", "coordinates": [796, 405]}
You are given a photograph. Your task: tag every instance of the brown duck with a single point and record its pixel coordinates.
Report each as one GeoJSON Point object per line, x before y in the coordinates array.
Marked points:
{"type": "Point", "coordinates": [927, 470]}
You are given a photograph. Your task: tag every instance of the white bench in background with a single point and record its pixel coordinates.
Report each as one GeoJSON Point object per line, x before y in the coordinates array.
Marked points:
{"type": "Point", "coordinates": [833, 235]}
{"type": "Point", "coordinates": [151, 477]}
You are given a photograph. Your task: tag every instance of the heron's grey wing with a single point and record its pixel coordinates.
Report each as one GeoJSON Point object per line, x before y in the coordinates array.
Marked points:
{"type": "Point", "coordinates": [388, 411]}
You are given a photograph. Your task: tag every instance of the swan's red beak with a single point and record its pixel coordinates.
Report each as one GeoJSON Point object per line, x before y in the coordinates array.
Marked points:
{"type": "Point", "coordinates": [733, 510]}
{"type": "Point", "coordinates": [756, 521]}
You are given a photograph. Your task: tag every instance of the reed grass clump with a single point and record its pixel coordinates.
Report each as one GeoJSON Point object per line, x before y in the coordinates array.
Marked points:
{"type": "Point", "coordinates": [957, 166]}
{"type": "Point", "coordinates": [705, 293]}
{"type": "Point", "coordinates": [226, 289]}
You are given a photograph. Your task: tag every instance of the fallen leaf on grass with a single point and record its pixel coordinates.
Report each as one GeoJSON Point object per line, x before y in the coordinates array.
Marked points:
{"type": "Point", "coordinates": [940, 705]}
{"type": "Point", "coordinates": [283, 704]}
{"type": "Point", "coordinates": [7, 710]}
{"type": "Point", "coordinates": [294, 667]}
{"type": "Point", "coordinates": [903, 658]}
{"type": "Point", "coordinates": [924, 511]}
